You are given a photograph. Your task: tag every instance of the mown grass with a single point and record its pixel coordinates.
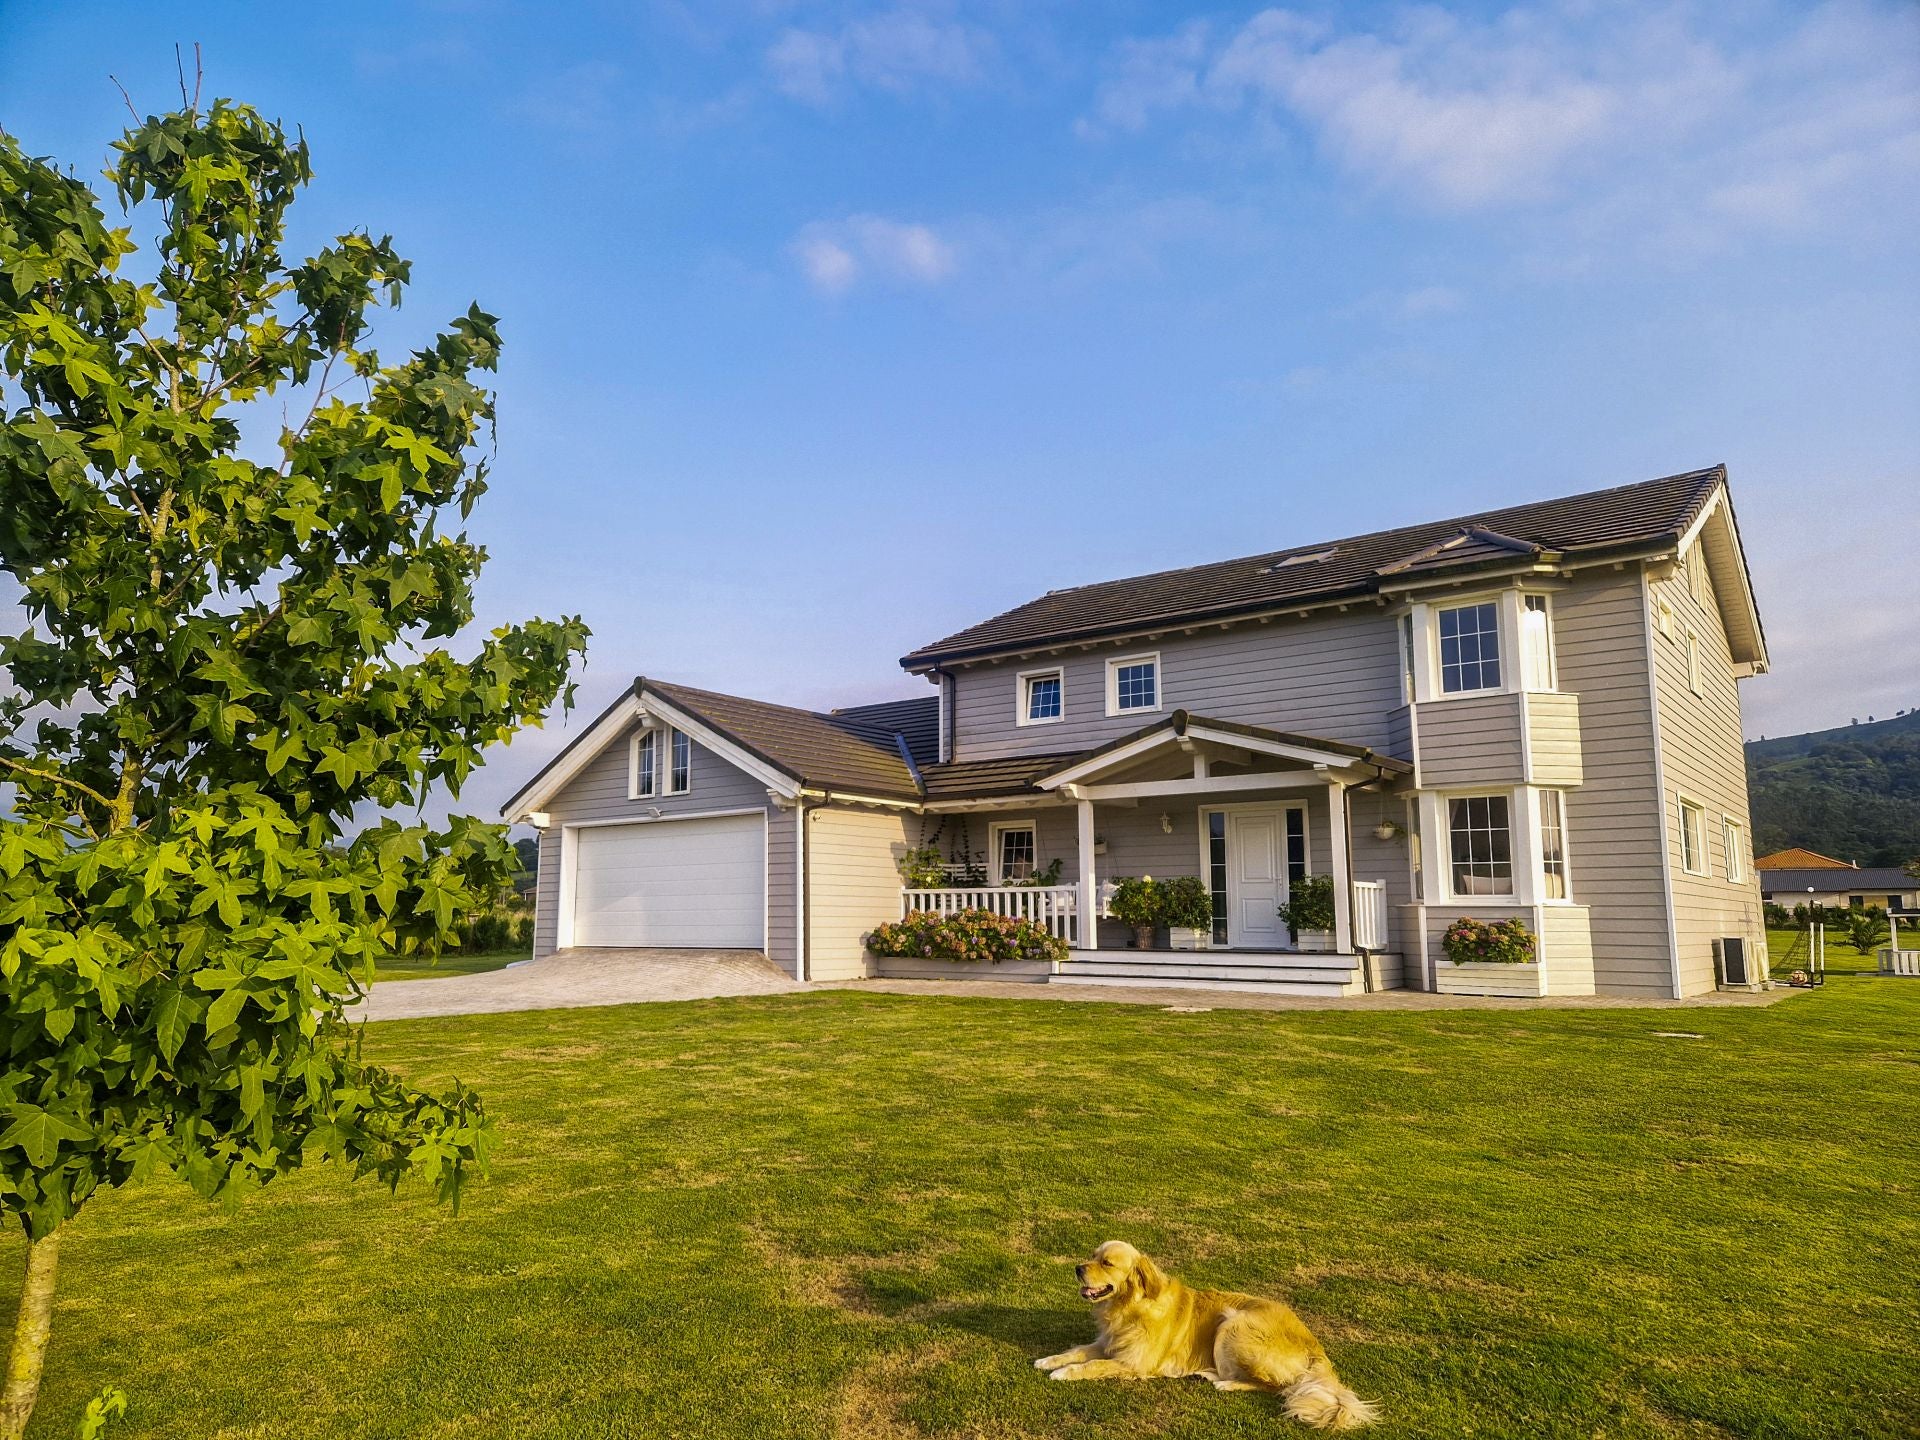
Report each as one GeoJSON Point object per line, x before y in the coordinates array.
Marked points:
{"type": "Point", "coordinates": [414, 967]}
{"type": "Point", "coordinates": [852, 1215]}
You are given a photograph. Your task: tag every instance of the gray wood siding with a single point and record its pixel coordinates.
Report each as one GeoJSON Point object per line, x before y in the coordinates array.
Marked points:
{"type": "Point", "coordinates": [1333, 676]}
{"type": "Point", "coordinates": [1553, 738]}
{"type": "Point", "coordinates": [1704, 760]}
{"type": "Point", "coordinates": [1388, 860]}
{"type": "Point", "coordinates": [1613, 815]}
{"type": "Point", "coordinates": [599, 793]}
{"type": "Point", "coordinates": [853, 884]}
{"type": "Point", "coordinates": [1474, 740]}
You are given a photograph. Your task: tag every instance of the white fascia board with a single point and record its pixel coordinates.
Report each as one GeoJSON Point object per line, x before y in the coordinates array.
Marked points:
{"type": "Point", "coordinates": [775, 779]}
{"type": "Point", "coordinates": [602, 733]}
{"type": "Point", "coordinates": [1305, 754]}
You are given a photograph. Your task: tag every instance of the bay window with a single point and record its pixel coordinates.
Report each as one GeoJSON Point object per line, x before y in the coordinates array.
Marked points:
{"type": "Point", "coordinates": [1480, 836]}
{"type": "Point", "coordinates": [1553, 846]}
{"type": "Point", "coordinates": [1470, 648]}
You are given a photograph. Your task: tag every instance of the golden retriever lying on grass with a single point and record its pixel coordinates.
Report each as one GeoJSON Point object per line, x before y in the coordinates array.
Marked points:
{"type": "Point", "coordinates": [1153, 1327]}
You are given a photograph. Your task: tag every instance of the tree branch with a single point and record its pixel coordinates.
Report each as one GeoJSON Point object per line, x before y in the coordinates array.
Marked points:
{"type": "Point", "coordinates": [56, 777]}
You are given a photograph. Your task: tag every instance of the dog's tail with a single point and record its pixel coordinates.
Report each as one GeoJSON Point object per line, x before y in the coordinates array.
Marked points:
{"type": "Point", "coordinates": [1318, 1399]}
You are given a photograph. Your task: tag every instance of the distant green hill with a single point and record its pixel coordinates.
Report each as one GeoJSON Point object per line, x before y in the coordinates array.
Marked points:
{"type": "Point", "coordinates": [1852, 793]}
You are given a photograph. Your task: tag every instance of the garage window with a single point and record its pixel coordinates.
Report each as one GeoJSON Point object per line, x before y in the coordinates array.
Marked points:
{"type": "Point", "coordinates": [643, 768]}
{"type": "Point", "coordinates": [680, 771]}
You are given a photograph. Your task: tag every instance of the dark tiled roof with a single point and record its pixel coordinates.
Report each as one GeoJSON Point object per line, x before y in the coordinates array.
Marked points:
{"type": "Point", "coordinates": [984, 779]}
{"type": "Point", "coordinates": [1651, 512]}
{"type": "Point", "coordinates": [1884, 879]}
{"type": "Point", "coordinates": [823, 750]}
{"type": "Point", "coordinates": [918, 720]}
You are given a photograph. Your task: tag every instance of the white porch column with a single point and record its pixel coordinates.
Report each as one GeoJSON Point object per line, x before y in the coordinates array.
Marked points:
{"type": "Point", "coordinates": [1086, 925]}
{"type": "Point", "coordinates": [1342, 880]}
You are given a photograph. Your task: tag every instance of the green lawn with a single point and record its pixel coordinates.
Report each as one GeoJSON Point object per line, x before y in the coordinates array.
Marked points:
{"type": "Point", "coordinates": [1787, 951]}
{"type": "Point", "coordinates": [843, 1214]}
{"type": "Point", "coordinates": [413, 967]}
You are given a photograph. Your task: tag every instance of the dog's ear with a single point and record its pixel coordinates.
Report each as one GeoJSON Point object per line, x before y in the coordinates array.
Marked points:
{"type": "Point", "coordinates": [1148, 1278]}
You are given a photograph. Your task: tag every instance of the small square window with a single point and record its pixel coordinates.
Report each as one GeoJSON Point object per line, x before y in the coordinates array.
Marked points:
{"type": "Point", "coordinates": [1042, 697]}
{"type": "Point", "coordinates": [1133, 684]}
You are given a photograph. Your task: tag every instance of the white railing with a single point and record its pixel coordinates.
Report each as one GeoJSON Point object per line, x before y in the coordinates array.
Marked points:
{"type": "Point", "coordinates": [1049, 906]}
{"type": "Point", "coordinates": [1370, 915]}
{"type": "Point", "coordinates": [1899, 962]}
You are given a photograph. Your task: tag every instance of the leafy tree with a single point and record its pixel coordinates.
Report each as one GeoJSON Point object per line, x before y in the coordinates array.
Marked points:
{"type": "Point", "coordinates": [224, 657]}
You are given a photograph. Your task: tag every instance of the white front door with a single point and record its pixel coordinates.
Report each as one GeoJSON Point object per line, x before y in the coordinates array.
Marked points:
{"type": "Point", "coordinates": [1256, 878]}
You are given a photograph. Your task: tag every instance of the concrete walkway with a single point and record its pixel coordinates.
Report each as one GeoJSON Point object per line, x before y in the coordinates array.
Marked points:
{"type": "Point", "coordinates": [575, 978]}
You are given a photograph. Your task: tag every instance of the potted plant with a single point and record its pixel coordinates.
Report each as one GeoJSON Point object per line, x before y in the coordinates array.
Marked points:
{"type": "Point", "coordinates": [1187, 908]}
{"type": "Point", "coordinates": [1308, 912]}
{"type": "Point", "coordinates": [1136, 901]}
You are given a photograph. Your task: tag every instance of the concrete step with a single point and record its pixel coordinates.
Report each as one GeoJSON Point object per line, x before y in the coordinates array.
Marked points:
{"type": "Point", "coordinates": [1321, 988]}
{"type": "Point", "coordinates": [1217, 968]}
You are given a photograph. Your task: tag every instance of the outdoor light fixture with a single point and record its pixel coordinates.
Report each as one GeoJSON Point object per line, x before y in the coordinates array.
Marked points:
{"type": "Point", "coordinates": [1166, 824]}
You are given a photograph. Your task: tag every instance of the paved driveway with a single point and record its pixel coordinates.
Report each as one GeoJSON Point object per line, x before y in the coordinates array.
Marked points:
{"type": "Point", "coordinates": [574, 978]}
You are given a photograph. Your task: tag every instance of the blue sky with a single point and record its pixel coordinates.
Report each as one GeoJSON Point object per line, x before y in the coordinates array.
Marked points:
{"type": "Point", "coordinates": [833, 328]}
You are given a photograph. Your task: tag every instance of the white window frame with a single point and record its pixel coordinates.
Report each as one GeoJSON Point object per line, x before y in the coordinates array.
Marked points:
{"type": "Point", "coordinates": [1145, 657]}
{"type": "Point", "coordinates": [1539, 818]}
{"type": "Point", "coordinates": [1703, 860]}
{"type": "Point", "coordinates": [1501, 641]}
{"type": "Point", "coordinates": [1551, 681]}
{"type": "Point", "coordinates": [999, 828]}
{"type": "Point", "coordinates": [675, 738]}
{"type": "Point", "coordinates": [1021, 700]}
{"type": "Point", "coordinates": [1697, 577]}
{"type": "Point", "coordinates": [1515, 862]}
{"type": "Point", "coordinates": [642, 736]}
{"type": "Point", "coordinates": [1409, 671]}
{"type": "Point", "coordinates": [1733, 835]}
{"type": "Point", "coordinates": [1693, 661]}
{"type": "Point", "coordinates": [1663, 618]}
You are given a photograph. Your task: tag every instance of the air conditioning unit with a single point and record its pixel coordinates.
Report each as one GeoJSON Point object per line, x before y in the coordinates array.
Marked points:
{"type": "Point", "coordinates": [1730, 961]}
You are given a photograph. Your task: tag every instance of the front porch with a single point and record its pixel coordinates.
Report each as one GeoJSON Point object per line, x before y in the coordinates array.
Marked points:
{"type": "Point", "coordinates": [1253, 814]}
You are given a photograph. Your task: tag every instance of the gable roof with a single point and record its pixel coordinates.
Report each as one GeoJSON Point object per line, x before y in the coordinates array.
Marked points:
{"type": "Point", "coordinates": [1795, 858]}
{"type": "Point", "coordinates": [1628, 517]}
{"type": "Point", "coordinates": [870, 750]}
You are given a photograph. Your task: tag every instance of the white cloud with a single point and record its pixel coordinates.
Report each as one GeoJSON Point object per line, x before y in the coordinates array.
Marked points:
{"type": "Point", "coordinates": [898, 51]}
{"type": "Point", "coordinates": [1643, 117]}
{"type": "Point", "coordinates": [836, 254]}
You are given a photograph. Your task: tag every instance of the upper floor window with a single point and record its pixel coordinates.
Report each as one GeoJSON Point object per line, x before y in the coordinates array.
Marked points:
{"type": "Point", "coordinates": [1042, 697]}
{"type": "Point", "coordinates": [680, 768]}
{"type": "Point", "coordinates": [1693, 838]}
{"type": "Point", "coordinates": [1693, 662]}
{"type": "Point", "coordinates": [1406, 659]}
{"type": "Point", "coordinates": [1014, 853]}
{"type": "Point", "coordinates": [1536, 643]}
{"type": "Point", "coordinates": [645, 766]}
{"type": "Point", "coordinates": [1133, 684]}
{"type": "Point", "coordinates": [1480, 833]}
{"type": "Point", "coordinates": [1470, 648]}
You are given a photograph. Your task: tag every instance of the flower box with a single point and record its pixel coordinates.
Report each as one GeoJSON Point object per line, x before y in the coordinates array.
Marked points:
{"type": "Point", "coordinates": [916, 967]}
{"type": "Point", "coordinates": [1314, 942]}
{"type": "Point", "coordinates": [1182, 937]}
{"type": "Point", "coordinates": [1489, 978]}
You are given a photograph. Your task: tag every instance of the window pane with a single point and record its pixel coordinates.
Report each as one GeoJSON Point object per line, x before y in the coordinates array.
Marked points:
{"type": "Point", "coordinates": [1217, 873]}
{"type": "Point", "coordinates": [1470, 648]}
{"type": "Point", "coordinates": [1536, 645]}
{"type": "Point", "coordinates": [1016, 854]}
{"type": "Point", "coordinates": [648, 746]}
{"type": "Point", "coordinates": [682, 771]}
{"type": "Point", "coordinates": [1135, 686]}
{"type": "Point", "coordinates": [1043, 697]}
{"type": "Point", "coordinates": [1296, 846]}
{"type": "Point", "coordinates": [1481, 842]}
{"type": "Point", "coordinates": [1553, 847]}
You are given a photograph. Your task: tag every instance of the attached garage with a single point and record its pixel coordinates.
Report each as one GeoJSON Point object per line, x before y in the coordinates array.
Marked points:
{"type": "Point", "coordinates": [698, 883]}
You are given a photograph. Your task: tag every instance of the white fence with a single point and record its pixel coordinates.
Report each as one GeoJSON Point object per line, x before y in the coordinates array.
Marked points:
{"type": "Point", "coordinates": [1370, 915]}
{"type": "Point", "coordinates": [1049, 906]}
{"type": "Point", "coordinates": [1899, 962]}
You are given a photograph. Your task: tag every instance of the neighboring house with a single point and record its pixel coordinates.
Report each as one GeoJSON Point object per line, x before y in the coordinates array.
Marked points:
{"type": "Point", "coordinates": [1798, 859]}
{"type": "Point", "coordinates": [1847, 887]}
{"type": "Point", "coordinates": [1530, 712]}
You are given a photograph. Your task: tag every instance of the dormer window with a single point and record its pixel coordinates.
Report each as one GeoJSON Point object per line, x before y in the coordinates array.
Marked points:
{"type": "Point", "coordinates": [1043, 697]}
{"type": "Point", "coordinates": [1133, 684]}
{"type": "Point", "coordinates": [1470, 648]}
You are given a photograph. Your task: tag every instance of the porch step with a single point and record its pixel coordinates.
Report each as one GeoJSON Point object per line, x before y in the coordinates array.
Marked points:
{"type": "Point", "coordinates": [1273, 974]}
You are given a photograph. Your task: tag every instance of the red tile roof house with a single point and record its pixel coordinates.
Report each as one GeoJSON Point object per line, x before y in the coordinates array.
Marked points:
{"type": "Point", "coordinates": [1532, 712]}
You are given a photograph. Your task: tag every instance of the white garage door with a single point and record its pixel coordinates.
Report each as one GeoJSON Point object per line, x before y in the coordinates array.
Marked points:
{"type": "Point", "coordinates": [672, 884]}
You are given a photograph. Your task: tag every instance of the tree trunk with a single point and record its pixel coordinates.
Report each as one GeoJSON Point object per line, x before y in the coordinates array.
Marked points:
{"type": "Point", "coordinates": [32, 1328]}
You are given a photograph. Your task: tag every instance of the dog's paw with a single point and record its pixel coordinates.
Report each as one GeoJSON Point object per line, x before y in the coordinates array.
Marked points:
{"type": "Point", "coordinates": [1052, 1362]}
{"type": "Point", "coordinates": [1066, 1372]}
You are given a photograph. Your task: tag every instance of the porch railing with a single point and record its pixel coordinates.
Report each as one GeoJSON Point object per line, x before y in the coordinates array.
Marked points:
{"type": "Point", "coordinates": [1049, 906]}
{"type": "Point", "coordinates": [1370, 915]}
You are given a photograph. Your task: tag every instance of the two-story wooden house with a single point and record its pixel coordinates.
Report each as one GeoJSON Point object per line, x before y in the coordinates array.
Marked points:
{"type": "Point", "coordinates": [1532, 712]}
